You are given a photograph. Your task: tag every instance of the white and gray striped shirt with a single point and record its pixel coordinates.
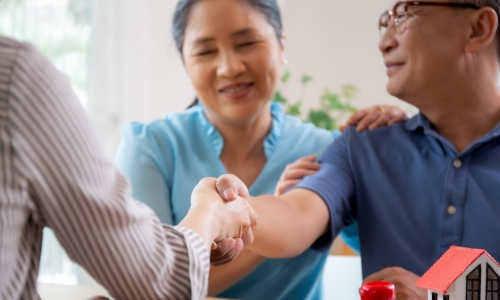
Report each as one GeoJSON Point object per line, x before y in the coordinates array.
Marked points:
{"type": "Point", "coordinates": [54, 173]}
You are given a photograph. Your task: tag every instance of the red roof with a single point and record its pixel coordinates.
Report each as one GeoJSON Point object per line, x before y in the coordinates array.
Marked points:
{"type": "Point", "coordinates": [449, 267]}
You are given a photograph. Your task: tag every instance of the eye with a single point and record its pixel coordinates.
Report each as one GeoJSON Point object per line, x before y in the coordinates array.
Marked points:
{"type": "Point", "coordinates": [247, 44]}
{"type": "Point", "coordinates": [205, 53]}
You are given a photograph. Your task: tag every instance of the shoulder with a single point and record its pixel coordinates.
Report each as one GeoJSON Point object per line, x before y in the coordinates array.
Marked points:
{"type": "Point", "coordinates": [21, 56]}
{"type": "Point", "coordinates": [170, 126]}
{"type": "Point", "coordinates": [381, 135]}
{"type": "Point", "coordinates": [296, 127]}
{"type": "Point", "coordinates": [359, 144]}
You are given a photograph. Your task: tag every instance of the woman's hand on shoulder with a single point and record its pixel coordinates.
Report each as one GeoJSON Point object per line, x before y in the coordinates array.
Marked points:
{"type": "Point", "coordinates": [295, 171]}
{"type": "Point", "coordinates": [375, 117]}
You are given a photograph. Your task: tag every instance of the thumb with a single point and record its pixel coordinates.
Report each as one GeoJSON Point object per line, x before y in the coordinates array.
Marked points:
{"type": "Point", "coordinates": [230, 186]}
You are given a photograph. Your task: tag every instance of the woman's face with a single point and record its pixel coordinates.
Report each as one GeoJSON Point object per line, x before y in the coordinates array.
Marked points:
{"type": "Point", "coordinates": [233, 58]}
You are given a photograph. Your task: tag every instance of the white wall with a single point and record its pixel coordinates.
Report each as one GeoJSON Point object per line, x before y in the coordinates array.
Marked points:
{"type": "Point", "coordinates": [137, 73]}
{"type": "Point", "coordinates": [337, 43]}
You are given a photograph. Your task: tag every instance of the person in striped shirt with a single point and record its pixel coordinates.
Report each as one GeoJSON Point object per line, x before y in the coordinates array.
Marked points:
{"type": "Point", "coordinates": [53, 173]}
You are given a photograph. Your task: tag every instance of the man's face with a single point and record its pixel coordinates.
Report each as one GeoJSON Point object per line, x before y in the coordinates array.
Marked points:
{"type": "Point", "coordinates": [420, 57]}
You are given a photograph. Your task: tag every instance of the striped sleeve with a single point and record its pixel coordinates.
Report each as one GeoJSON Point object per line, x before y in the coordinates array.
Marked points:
{"type": "Point", "coordinates": [79, 193]}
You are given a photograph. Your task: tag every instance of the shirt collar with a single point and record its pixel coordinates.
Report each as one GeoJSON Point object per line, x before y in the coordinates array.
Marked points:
{"type": "Point", "coordinates": [420, 123]}
{"type": "Point", "coordinates": [270, 143]}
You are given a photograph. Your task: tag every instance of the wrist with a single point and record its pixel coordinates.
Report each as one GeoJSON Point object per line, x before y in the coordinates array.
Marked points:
{"type": "Point", "coordinates": [208, 212]}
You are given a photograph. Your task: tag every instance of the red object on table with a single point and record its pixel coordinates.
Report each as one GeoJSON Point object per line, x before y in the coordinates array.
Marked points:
{"type": "Point", "coordinates": [377, 290]}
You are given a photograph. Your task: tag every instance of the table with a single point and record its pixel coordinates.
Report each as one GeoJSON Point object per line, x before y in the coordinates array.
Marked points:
{"type": "Point", "coordinates": [49, 291]}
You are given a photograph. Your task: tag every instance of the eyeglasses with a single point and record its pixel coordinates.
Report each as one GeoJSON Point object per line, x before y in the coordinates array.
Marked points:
{"type": "Point", "coordinates": [399, 13]}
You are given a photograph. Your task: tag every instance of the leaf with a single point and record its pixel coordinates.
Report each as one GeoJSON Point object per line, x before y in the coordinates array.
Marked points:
{"type": "Point", "coordinates": [349, 91]}
{"type": "Point", "coordinates": [285, 76]}
{"type": "Point", "coordinates": [278, 97]}
{"type": "Point", "coordinates": [305, 79]}
{"type": "Point", "coordinates": [321, 119]}
{"type": "Point", "coordinates": [331, 101]}
{"type": "Point", "coordinates": [294, 110]}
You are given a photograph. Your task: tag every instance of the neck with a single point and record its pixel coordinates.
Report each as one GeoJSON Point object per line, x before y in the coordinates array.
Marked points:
{"type": "Point", "coordinates": [243, 141]}
{"type": "Point", "coordinates": [465, 115]}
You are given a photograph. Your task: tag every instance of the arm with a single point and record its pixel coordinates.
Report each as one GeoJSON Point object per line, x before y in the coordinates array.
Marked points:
{"type": "Point", "coordinates": [321, 203]}
{"type": "Point", "coordinates": [288, 225]}
{"type": "Point", "coordinates": [223, 277]}
{"type": "Point", "coordinates": [86, 201]}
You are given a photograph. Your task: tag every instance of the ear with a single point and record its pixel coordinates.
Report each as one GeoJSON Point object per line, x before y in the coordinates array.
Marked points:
{"type": "Point", "coordinates": [283, 42]}
{"type": "Point", "coordinates": [483, 26]}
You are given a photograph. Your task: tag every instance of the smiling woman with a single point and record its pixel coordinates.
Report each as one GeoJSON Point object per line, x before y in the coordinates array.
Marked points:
{"type": "Point", "coordinates": [233, 52]}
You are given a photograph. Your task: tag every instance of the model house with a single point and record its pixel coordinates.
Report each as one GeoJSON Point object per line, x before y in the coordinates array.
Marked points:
{"type": "Point", "coordinates": [462, 274]}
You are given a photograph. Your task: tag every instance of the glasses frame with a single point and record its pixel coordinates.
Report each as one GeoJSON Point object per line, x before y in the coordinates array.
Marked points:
{"type": "Point", "coordinates": [392, 14]}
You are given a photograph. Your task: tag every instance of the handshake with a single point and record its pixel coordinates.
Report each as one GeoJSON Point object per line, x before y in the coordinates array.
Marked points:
{"type": "Point", "coordinates": [221, 215]}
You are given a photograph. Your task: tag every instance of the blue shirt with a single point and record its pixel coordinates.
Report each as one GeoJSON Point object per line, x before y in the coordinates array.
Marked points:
{"type": "Point", "coordinates": [412, 193]}
{"type": "Point", "coordinates": [166, 158]}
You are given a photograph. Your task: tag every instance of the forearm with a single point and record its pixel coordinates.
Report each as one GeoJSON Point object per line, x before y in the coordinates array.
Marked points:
{"type": "Point", "coordinates": [223, 277]}
{"type": "Point", "coordinates": [288, 225]}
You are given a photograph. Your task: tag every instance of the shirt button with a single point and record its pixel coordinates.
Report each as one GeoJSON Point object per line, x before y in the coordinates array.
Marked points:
{"type": "Point", "coordinates": [457, 163]}
{"type": "Point", "coordinates": [452, 210]}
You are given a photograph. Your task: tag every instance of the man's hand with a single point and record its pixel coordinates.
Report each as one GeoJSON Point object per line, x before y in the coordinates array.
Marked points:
{"type": "Point", "coordinates": [376, 116]}
{"type": "Point", "coordinates": [403, 280]}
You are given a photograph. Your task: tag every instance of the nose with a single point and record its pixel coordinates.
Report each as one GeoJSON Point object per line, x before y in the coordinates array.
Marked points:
{"type": "Point", "coordinates": [387, 41]}
{"type": "Point", "coordinates": [230, 66]}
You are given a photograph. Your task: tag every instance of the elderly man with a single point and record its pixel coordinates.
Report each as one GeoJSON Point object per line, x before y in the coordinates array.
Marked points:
{"type": "Point", "coordinates": [54, 174]}
{"type": "Point", "coordinates": [418, 187]}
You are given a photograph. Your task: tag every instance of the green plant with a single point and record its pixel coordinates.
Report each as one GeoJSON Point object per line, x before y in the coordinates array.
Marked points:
{"type": "Point", "coordinates": [332, 106]}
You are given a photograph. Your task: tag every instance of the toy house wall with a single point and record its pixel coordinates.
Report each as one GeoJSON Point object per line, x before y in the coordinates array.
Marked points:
{"type": "Point", "coordinates": [451, 292]}
{"type": "Point", "coordinates": [460, 283]}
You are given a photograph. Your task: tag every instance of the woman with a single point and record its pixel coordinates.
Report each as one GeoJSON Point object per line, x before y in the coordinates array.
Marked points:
{"type": "Point", "coordinates": [233, 53]}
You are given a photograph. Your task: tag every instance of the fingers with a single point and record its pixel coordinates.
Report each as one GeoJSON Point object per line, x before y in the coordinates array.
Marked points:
{"type": "Point", "coordinates": [403, 280]}
{"type": "Point", "coordinates": [378, 276]}
{"type": "Point", "coordinates": [356, 117]}
{"type": "Point", "coordinates": [374, 115]}
{"type": "Point", "coordinates": [295, 171]}
{"type": "Point", "coordinates": [227, 250]}
{"type": "Point", "coordinates": [230, 186]}
{"type": "Point", "coordinates": [300, 168]}
{"type": "Point", "coordinates": [282, 186]}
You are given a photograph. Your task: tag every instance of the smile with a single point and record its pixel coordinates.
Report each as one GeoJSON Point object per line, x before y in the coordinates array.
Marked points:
{"type": "Point", "coordinates": [236, 89]}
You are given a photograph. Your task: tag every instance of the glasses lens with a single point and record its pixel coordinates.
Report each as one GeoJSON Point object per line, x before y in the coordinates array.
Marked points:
{"type": "Point", "coordinates": [400, 17]}
{"type": "Point", "coordinates": [385, 19]}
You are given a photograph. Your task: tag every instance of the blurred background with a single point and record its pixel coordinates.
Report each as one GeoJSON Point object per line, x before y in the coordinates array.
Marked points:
{"type": "Point", "coordinates": [123, 65]}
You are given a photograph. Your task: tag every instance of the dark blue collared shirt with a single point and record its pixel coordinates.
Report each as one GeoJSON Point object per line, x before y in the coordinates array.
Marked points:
{"type": "Point", "coordinates": [412, 194]}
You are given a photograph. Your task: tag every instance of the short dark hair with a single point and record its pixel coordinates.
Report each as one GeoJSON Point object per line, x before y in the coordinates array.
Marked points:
{"type": "Point", "coordinates": [269, 8]}
{"type": "Point", "coordinates": [495, 5]}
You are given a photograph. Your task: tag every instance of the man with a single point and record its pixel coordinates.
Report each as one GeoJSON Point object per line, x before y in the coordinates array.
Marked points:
{"type": "Point", "coordinates": [418, 187]}
{"type": "Point", "coordinates": [53, 173]}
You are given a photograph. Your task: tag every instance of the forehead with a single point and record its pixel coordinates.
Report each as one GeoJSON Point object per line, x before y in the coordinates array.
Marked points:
{"type": "Point", "coordinates": [218, 17]}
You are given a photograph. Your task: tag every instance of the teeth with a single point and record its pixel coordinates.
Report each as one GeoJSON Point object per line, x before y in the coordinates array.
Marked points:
{"type": "Point", "coordinates": [236, 90]}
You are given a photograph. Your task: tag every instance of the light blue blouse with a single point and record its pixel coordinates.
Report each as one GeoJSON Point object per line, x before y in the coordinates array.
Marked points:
{"type": "Point", "coordinates": [166, 158]}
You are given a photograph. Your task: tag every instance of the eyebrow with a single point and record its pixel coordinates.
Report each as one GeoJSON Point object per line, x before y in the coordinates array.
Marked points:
{"type": "Point", "coordinates": [240, 32]}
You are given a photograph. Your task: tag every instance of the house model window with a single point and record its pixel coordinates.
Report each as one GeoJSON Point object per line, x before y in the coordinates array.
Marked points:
{"type": "Point", "coordinates": [492, 283]}
{"type": "Point", "coordinates": [462, 274]}
{"type": "Point", "coordinates": [474, 284]}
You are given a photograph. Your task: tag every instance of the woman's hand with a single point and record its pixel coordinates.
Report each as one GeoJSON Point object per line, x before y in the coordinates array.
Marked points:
{"type": "Point", "coordinates": [295, 171]}
{"type": "Point", "coordinates": [375, 117]}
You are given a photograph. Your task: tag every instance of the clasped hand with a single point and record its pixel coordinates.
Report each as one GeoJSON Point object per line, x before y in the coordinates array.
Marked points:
{"type": "Point", "coordinates": [235, 221]}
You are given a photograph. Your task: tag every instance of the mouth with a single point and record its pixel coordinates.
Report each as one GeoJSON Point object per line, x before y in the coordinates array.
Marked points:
{"type": "Point", "coordinates": [393, 67]}
{"type": "Point", "coordinates": [236, 90]}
